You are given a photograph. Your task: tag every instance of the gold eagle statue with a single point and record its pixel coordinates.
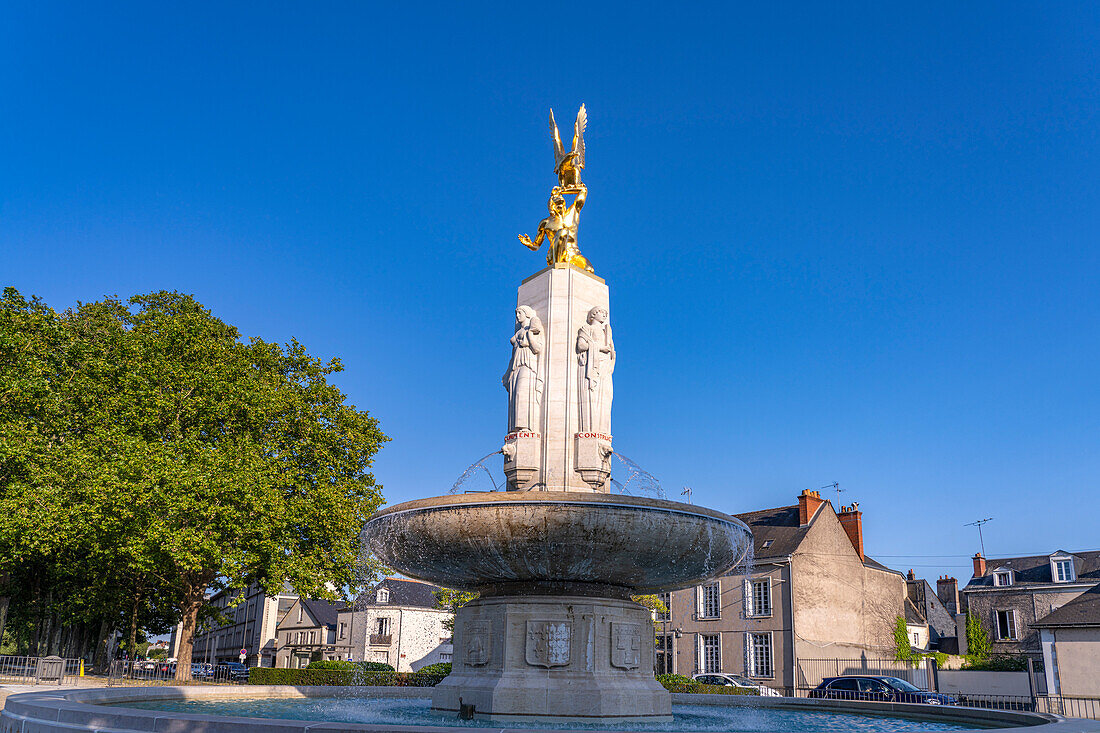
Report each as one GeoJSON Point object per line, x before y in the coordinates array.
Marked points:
{"type": "Point", "coordinates": [568, 166]}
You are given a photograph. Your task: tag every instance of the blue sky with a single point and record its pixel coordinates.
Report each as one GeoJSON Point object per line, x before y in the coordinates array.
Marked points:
{"type": "Point", "coordinates": [852, 244]}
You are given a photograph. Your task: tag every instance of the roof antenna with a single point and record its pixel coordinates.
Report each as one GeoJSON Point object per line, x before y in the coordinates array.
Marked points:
{"type": "Point", "coordinates": [835, 486]}
{"type": "Point", "coordinates": [979, 524]}
{"type": "Point", "coordinates": [687, 490]}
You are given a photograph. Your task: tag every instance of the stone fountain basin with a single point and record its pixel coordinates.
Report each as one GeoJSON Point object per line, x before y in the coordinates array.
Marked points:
{"type": "Point", "coordinates": [558, 541]}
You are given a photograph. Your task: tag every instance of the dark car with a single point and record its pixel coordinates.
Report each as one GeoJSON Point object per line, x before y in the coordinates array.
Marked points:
{"type": "Point", "coordinates": [232, 671]}
{"type": "Point", "coordinates": [879, 689]}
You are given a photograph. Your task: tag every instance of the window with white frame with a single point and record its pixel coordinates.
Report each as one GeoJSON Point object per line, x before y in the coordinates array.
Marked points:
{"type": "Point", "coordinates": [710, 601]}
{"type": "Point", "coordinates": [1062, 570]}
{"type": "Point", "coordinates": [758, 655]}
{"type": "Point", "coordinates": [343, 630]}
{"type": "Point", "coordinates": [446, 656]}
{"type": "Point", "coordinates": [1002, 578]}
{"type": "Point", "coordinates": [710, 653]}
{"type": "Point", "coordinates": [382, 626]}
{"type": "Point", "coordinates": [1006, 625]}
{"type": "Point", "coordinates": [383, 595]}
{"type": "Point", "coordinates": [762, 597]}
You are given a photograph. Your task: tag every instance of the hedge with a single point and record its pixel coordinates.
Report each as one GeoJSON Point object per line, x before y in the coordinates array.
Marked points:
{"type": "Point", "coordinates": [701, 689]}
{"type": "Point", "coordinates": [303, 677]}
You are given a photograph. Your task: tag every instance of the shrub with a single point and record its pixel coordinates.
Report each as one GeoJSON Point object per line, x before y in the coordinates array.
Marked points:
{"type": "Point", "coordinates": [374, 667]}
{"type": "Point", "coordinates": [997, 663]}
{"type": "Point", "coordinates": [439, 669]}
{"type": "Point", "coordinates": [673, 679]}
{"type": "Point", "coordinates": [303, 677]}
{"type": "Point", "coordinates": [700, 689]}
{"type": "Point", "coordinates": [332, 664]}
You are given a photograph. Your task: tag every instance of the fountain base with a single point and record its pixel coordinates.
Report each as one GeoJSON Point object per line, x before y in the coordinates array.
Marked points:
{"type": "Point", "coordinates": [560, 657]}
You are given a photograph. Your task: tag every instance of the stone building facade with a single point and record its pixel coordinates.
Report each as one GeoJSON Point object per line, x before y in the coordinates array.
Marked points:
{"type": "Point", "coordinates": [397, 622]}
{"type": "Point", "coordinates": [932, 625]}
{"type": "Point", "coordinates": [812, 593]}
{"type": "Point", "coordinates": [308, 632]}
{"type": "Point", "coordinates": [251, 626]}
{"type": "Point", "coordinates": [1009, 595]}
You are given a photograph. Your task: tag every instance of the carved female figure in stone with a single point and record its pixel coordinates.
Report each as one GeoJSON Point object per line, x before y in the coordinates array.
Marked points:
{"type": "Point", "coordinates": [523, 380]}
{"type": "Point", "coordinates": [596, 362]}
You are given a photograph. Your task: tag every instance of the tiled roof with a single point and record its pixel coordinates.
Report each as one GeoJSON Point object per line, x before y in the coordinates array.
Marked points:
{"type": "Point", "coordinates": [324, 611]}
{"type": "Point", "coordinates": [403, 592]}
{"type": "Point", "coordinates": [1036, 569]}
{"type": "Point", "coordinates": [1084, 610]}
{"type": "Point", "coordinates": [780, 525]}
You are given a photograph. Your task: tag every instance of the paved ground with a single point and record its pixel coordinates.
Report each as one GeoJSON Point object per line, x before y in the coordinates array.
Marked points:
{"type": "Point", "coordinates": [6, 690]}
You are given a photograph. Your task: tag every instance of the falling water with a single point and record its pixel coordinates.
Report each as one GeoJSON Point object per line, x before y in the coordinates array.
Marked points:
{"type": "Point", "coordinates": [631, 479]}
{"type": "Point", "coordinates": [473, 478]}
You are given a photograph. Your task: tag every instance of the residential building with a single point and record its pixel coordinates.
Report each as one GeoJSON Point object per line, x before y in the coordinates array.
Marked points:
{"type": "Point", "coordinates": [250, 625]}
{"type": "Point", "coordinates": [1070, 641]}
{"type": "Point", "coordinates": [811, 593]}
{"type": "Point", "coordinates": [1009, 595]}
{"type": "Point", "coordinates": [307, 632]}
{"type": "Point", "coordinates": [397, 622]}
{"type": "Point", "coordinates": [931, 624]}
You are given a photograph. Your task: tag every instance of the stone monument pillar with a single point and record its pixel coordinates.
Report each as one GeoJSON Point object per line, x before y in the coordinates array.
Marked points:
{"type": "Point", "coordinates": [570, 450]}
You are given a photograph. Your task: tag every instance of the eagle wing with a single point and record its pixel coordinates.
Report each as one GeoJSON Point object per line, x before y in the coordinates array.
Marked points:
{"type": "Point", "coordinates": [578, 137]}
{"type": "Point", "coordinates": [559, 151]}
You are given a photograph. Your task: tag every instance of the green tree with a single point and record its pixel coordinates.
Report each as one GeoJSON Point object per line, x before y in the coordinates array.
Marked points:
{"type": "Point", "coordinates": [452, 600]}
{"type": "Point", "coordinates": [978, 646]}
{"type": "Point", "coordinates": [147, 448]}
{"type": "Point", "coordinates": [903, 650]}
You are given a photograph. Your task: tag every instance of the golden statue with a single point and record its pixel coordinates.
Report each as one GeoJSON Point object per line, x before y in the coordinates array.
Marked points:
{"type": "Point", "coordinates": [560, 228]}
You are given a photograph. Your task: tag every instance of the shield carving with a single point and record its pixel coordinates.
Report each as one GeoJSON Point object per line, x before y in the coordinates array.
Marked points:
{"type": "Point", "coordinates": [548, 643]}
{"type": "Point", "coordinates": [626, 640]}
{"type": "Point", "coordinates": [477, 644]}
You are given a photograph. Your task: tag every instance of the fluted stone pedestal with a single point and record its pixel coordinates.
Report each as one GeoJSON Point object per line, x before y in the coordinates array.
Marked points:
{"type": "Point", "coordinates": [561, 657]}
{"type": "Point", "coordinates": [573, 447]}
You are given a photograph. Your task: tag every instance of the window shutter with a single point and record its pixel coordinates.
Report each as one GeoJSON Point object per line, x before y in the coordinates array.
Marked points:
{"type": "Point", "coordinates": [748, 654]}
{"type": "Point", "coordinates": [748, 598]}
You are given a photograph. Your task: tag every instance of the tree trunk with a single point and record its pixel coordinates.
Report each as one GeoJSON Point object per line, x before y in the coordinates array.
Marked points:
{"type": "Point", "coordinates": [55, 637]}
{"type": "Point", "coordinates": [131, 641]}
{"type": "Point", "coordinates": [194, 597]}
{"type": "Point", "coordinates": [4, 602]}
{"type": "Point", "coordinates": [101, 658]}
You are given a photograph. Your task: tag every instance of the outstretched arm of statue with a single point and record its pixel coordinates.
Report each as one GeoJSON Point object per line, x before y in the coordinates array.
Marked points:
{"type": "Point", "coordinates": [539, 236]}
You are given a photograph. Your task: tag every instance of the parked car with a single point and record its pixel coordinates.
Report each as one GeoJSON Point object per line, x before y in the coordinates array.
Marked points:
{"type": "Point", "coordinates": [881, 689]}
{"type": "Point", "coordinates": [202, 671]}
{"type": "Point", "coordinates": [735, 680]}
{"type": "Point", "coordinates": [231, 671]}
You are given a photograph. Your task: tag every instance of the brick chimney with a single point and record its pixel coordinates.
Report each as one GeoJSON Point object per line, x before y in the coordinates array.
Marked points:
{"type": "Point", "coordinates": [979, 565]}
{"type": "Point", "coordinates": [910, 575]}
{"type": "Point", "coordinates": [808, 502]}
{"type": "Point", "coordinates": [947, 588]}
{"type": "Point", "coordinates": [851, 518]}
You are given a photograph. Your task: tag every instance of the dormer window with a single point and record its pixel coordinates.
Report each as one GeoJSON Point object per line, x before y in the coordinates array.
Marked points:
{"type": "Point", "coordinates": [1061, 569]}
{"type": "Point", "coordinates": [1002, 578]}
{"type": "Point", "coordinates": [383, 595]}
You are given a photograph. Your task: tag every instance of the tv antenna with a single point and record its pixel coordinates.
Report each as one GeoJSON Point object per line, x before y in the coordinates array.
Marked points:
{"type": "Point", "coordinates": [687, 490]}
{"type": "Point", "coordinates": [978, 523]}
{"type": "Point", "coordinates": [835, 486]}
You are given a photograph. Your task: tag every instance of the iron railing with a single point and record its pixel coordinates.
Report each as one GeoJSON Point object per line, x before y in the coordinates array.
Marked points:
{"type": "Point", "coordinates": [38, 670]}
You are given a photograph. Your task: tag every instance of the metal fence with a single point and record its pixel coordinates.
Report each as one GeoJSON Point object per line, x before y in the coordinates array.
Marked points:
{"type": "Point", "coordinates": [148, 671]}
{"type": "Point", "coordinates": [38, 670]}
{"type": "Point", "coordinates": [809, 673]}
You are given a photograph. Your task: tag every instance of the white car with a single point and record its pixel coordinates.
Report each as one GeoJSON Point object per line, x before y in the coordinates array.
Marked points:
{"type": "Point", "coordinates": [734, 680]}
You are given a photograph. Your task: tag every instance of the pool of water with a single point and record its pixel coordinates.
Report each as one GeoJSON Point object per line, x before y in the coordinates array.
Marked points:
{"type": "Point", "coordinates": [417, 712]}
